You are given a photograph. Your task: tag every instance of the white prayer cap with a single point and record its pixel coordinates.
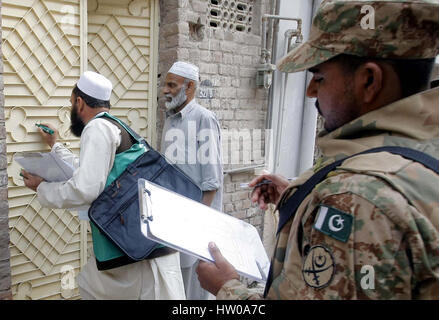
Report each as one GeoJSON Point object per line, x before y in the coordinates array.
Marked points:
{"type": "Point", "coordinates": [185, 70]}
{"type": "Point", "coordinates": [95, 85]}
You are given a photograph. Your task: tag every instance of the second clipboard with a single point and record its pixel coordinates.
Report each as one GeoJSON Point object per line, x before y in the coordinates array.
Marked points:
{"type": "Point", "coordinates": [188, 226]}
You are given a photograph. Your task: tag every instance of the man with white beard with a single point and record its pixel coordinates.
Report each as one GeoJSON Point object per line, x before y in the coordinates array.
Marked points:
{"type": "Point", "coordinates": [191, 139]}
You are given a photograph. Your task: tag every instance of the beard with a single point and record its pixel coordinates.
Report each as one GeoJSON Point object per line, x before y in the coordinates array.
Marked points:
{"type": "Point", "coordinates": [76, 123]}
{"type": "Point", "coordinates": [176, 101]}
{"type": "Point", "coordinates": [347, 110]}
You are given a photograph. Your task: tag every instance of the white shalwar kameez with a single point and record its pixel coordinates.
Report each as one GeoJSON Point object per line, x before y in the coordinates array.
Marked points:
{"type": "Point", "coordinates": [158, 278]}
{"type": "Point", "coordinates": [202, 134]}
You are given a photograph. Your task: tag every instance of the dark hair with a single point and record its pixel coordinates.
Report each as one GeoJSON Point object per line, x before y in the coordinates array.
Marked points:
{"type": "Point", "coordinates": [414, 74]}
{"type": "Point", "coordinates": [90, 101]}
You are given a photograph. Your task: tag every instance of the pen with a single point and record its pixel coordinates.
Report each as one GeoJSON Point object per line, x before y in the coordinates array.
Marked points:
{"type": "Point", "coordinates": [45, 128]}
{"type": "Point", "coordinates": [265, 181]}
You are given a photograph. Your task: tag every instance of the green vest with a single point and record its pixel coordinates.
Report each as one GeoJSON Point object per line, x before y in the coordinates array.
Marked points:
{"type": "Point", "coordinates": [103, 248]}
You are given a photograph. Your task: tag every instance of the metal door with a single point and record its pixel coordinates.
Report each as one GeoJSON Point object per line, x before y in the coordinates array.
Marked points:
{"type": "Point", "coordinates": [45, 47]}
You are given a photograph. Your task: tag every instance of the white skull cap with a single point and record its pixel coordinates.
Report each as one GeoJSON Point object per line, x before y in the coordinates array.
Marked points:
{"type": "Point", "coordinates": [185, 70]}
{"type": "Point", "coordinates": [95, 85]}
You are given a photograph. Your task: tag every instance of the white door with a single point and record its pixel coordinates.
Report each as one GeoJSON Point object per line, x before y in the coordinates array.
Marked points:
{"type": "Point", "coordinates": [45, 49]}
{"type": "Point", "coordinates": [122, 43]}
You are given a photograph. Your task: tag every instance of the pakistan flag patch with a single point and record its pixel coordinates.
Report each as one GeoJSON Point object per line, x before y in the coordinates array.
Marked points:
{"type": "Point", "coordinates": [334, 223]}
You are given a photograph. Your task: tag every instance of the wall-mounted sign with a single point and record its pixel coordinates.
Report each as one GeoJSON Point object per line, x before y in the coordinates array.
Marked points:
{"type": "Point", "coordinates": [206, 90]}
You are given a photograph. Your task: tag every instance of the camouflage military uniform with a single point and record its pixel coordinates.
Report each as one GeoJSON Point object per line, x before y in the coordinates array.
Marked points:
{"type": "Point", "coordinates": [401, 29]}
{"type": "Point", "coordinates": [370, 230]}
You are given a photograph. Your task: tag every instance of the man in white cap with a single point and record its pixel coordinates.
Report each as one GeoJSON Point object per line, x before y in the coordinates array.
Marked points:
{"type": "Point", "coordinates": [106, 274]}
{"type": "Point", "coordinates": [192, 140]}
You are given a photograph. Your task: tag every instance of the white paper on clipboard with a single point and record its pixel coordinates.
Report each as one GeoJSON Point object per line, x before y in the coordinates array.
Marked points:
{"type": "Point", "coordinates": [188, 226]}
{"type": "Point", "coordinates": [47, 165]}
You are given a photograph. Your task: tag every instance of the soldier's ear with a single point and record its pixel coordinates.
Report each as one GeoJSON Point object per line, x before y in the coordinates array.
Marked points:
{"type": "Point", "coordinates": [369, 80]}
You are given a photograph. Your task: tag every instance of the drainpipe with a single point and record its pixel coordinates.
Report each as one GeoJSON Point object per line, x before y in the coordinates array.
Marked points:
{"type": "Point", "coordinates": [273, 46]}
{"type": "Point", "coordinates": [289, 35]}
{"type": "Point", "coordinates": [265, 52]}
{"type": "Point", "coordinates": [265, 70]}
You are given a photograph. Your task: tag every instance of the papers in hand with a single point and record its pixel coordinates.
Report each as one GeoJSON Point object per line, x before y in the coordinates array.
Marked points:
{"type": "Point", "coordinates": [47, 165]}
{"type": "Point", "coordinates": [188, 226]}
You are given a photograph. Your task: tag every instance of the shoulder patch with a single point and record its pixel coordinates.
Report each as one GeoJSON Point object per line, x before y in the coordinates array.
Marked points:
{"type": "Point", "coordinates": [318, 267]}
{"type": "Point", "coordinates": [334, 223]}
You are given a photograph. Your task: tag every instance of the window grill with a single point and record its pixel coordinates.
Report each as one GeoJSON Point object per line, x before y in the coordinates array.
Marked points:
{"type": "Point", "coordinates": [235, 16]}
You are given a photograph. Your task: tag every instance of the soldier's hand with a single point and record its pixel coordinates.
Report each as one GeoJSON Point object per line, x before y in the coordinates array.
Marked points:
{"type": "Point", "coordinates": [48, 138]}
{"type": "Point", "coordinates": [31, 181]}
{"type": "Point", "coordinates": [213, 276]}
{"type": "Point", "coordinates": [268, 193]}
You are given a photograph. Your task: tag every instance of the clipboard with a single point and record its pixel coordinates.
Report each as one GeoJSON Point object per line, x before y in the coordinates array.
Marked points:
{"type": "Point", "coordinates": [188, 226]}
{"type": "Point", "coordinates": [47, 165]}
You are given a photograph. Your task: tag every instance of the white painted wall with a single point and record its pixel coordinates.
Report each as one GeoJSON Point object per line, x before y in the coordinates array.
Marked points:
{"type": "Point", "coordinates": [294, 116]}
{"type": "Point", "coordinates": [291, 147]}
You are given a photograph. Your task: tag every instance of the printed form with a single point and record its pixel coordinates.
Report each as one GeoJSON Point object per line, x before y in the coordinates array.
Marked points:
{"type": "Point", "coordinates": [189, 226]}
{"type": "Point", "coordinates": [47, 165]}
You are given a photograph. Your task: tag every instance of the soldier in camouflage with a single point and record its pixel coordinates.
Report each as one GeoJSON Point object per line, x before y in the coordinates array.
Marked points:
{"type": "Point", "coordinates": [370, 229]}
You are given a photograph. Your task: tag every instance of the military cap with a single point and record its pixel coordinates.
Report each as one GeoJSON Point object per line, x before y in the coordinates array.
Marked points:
{"type": "Point", "coordinates": [390, 29]}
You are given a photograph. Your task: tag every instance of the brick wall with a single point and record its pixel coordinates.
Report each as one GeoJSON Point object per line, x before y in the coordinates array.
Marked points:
{"type": "Point", "coordinates": [227, 59]}
{"type": "Point", "coordinates": [5, 270]}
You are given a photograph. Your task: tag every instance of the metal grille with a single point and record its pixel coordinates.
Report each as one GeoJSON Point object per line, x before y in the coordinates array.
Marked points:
{"type": "Point", "coordinates": [41, 63]}
{"type": "Point", "coordinates": [234, 16]}
{"type": "Point", "coordinates": [42, 46]}
{"type": "Point", "coordinates": [119, 48]}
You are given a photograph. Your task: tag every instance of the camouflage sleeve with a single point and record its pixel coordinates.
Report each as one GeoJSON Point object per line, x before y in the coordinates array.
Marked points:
{"type": "Point", "coordinates": [380, 245]}
{"type": "Point", "coordinates": [236, 290]}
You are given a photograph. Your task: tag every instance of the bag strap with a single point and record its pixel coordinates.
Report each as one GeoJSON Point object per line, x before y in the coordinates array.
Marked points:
{"type": "Point", "coordinates": [289, 208]}
{"type": "Point", "coordinates": [139, 139]}
{"type": "Point", "coordinates": [119, 123]}
{"type": "Point", "coordinates": [126, 140]}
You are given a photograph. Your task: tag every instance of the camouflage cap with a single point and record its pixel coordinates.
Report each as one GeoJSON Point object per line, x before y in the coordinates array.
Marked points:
{"type": "Point", "coordinates": [393, 29]}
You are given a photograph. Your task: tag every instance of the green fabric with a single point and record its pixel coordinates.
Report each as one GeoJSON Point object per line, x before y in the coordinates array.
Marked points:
{"type": "Point", "coordinates": [103, 248]}
{"type": "Point", "coordinates": [334, 223]}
